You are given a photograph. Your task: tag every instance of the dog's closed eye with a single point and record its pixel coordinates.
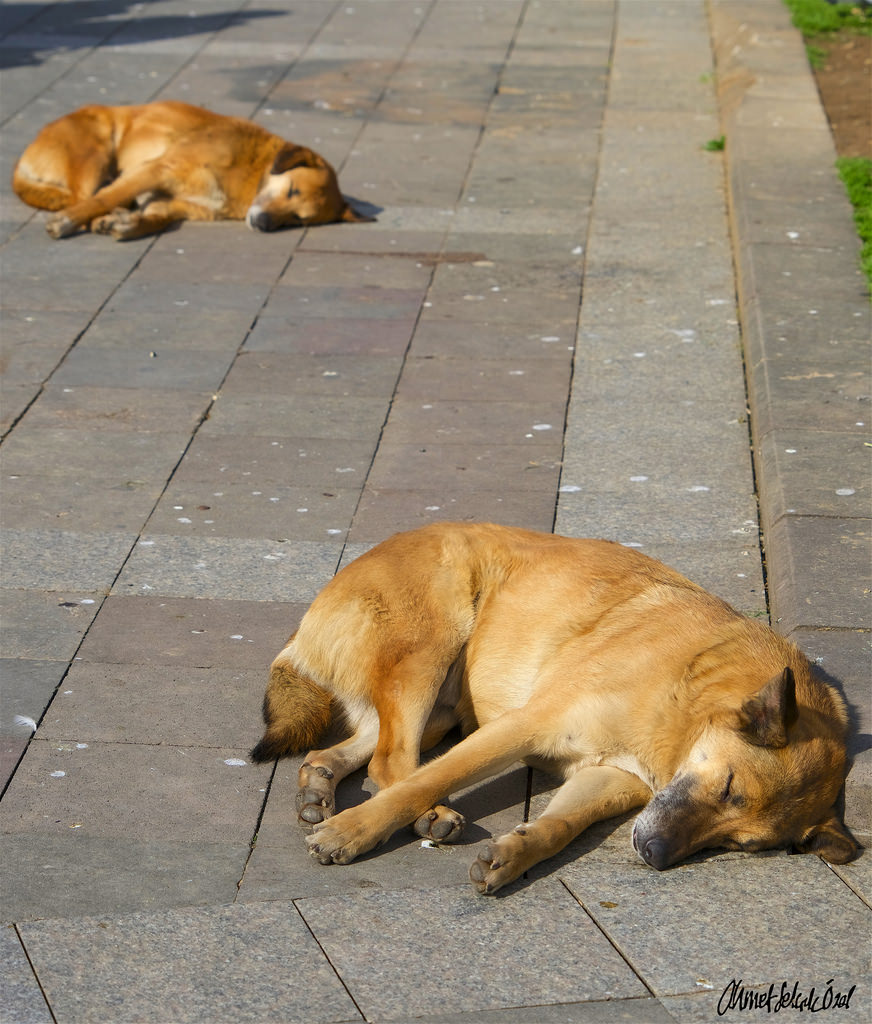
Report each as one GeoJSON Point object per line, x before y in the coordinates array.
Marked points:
{"type": "Point", "coordinates": [725, 793]}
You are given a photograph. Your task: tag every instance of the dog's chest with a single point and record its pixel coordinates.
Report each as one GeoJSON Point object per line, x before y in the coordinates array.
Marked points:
{"type": "Point", "coordinates": [564, 767]}
{"type": "Point", "coordinates": [590, 734]}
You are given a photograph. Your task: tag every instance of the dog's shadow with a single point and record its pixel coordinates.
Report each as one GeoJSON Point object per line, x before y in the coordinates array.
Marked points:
{"type": "Point", "coordinates": [525, 789]}
{"type": "Point", "coordinates": [511, 788]}
{"type": "Point", "coordinates": [368, 210]}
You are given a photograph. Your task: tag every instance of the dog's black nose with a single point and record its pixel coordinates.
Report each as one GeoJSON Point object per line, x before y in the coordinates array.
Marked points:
{"type": "Point", "coordinates": [656, 853]}
{"type": "Point", "coordinates": [261, 221]}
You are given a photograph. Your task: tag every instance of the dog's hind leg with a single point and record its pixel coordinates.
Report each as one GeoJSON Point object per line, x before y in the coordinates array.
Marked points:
{"type": "Point", "coordinates": [485, 752]}
{"type": "Point", "coordinates": [122, 192]}
{"type": "Point", "coordinates": [123, 224]}
{"type": "Point", "coordinates": [590, 794]}
{"type": "Point", "coordinates": [323, 770]}
{"type": "Point", "coordinates": [52, 180]}
{"type": "Point", "coordinates": [408, 723]}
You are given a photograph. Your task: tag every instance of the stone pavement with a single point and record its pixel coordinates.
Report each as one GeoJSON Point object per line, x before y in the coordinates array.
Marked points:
{"type": "Point", "coordinates": [569, 315]}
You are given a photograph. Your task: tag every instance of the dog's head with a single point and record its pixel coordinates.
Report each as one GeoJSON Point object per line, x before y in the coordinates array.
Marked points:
{"type": "Point", "coordinates": [299, 188]}
{"type": "Point", "coordinates": [763, 776]}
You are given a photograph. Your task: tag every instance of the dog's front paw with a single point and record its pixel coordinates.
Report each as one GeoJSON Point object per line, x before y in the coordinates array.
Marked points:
{"type": "Point", "coordinates": [120, 224]}
{"type": "Point", "coordinates": [60, 226]}
{"type": "Point", "coordinates": [499, 863]}
{"type": "Point", "coordinates": [440, 824]}
{"type": "Point", "coordinates": [339, 840]}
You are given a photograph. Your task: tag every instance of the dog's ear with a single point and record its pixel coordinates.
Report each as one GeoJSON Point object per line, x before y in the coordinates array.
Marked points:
{"type": "Point", "coordinates": [291, 156]}
{"type": "Point", "coordinates": [766, 717]}
{"type": "Point", "coordinates": [831, 841]}
{"type": "Point", "coordinates": [352, 215]}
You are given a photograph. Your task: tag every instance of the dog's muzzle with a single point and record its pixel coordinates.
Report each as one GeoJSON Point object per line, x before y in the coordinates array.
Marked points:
{"type": "Point", "coordinates": [259, 219]}
{"type": "Point", "coordinates": [654, 851]}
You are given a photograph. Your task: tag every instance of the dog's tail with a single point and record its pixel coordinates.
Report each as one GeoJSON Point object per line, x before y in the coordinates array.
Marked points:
{"type": "Point", "coordinates": [296, 712]}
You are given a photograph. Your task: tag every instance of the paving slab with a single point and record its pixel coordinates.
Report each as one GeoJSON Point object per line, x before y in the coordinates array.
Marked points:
{"type": "Point", "coordinates": [508, 262]}
{"type": "Point", "coordinates": [244, 962]}
{"type": "Point", "coordinates": [376, 239]}
{"type": "Point", "coordinates": [52, 501]}
{"type": "Point", "coordinates": [453, 340]}
{"type": "Point", "coordinates": [80, 285]}
{"type": "Point", "coordinates": [20, 994]}
{"type": "Point", "coordinates": [45, 624]}
{"type": "Point", "coordinates": [322, 336]}
{"type": "Point", "coordinates": [328, 417]}
{"type": "Point", "coordinates": [196, 794]}
{"type": "Point", "coordinates": [327, 376]}
{"type": "Point", "coordinates": [26, 687]}
{"type": "Point", "coordinates": [814, 472]}
{"type": "Point", "coordinates": [385, 511]}
{"type": "Point", "coordinates": [456, 470]}
{"type": "Point", "coordinates": [59, 877]}
{"type": "Point", "coordinates": [495, 306]}
{"type": "Point", "coordinates": [137, 296]}
{"type": "Point", "coordinates": [118, 409]}
{"type": "Point", "coordinates": [301, 460]}
{"type": "Point", "coordinates": [489, 952]}
{"type": "Point", "coordinates": [241, 509]}
{"type": "Point", "coordinates": [806, 387]}
{"type": "Point", "coordinates": [44, 559]}
{"type": "Point", "coordinates": [505, 379]}
{"type": "Point", "coordinates": [653, 450]}
{"type": "Point", "coordinates": [153, 704]}
{"type": "Point", "coordinates": [828, 584]}
{"type": "Point", "coordinates": [750, 918]}
{"type": "Point", "coordinates": [240, 569]}
{"type": "Point", "coordinates": [94, 455]}
{"type": "Point", "coordinates": [167, 332]}
{"type": "Point", "coordinates": [187, 631]}
{"type": "Point", "coordinates": [394, 271]}
{"type": "Point", "coordinates": [145, 367]}
{"type": "Point", "coordinates": [534, 424]}
{"type": "Point", "coordinates": [32, 343]}
{"type": "Point", "coordinates": [645, 1011]}
{"type": "Point", "coordinates": [361, 303]}
{"type": "Point", "coordinates": [235, 256]}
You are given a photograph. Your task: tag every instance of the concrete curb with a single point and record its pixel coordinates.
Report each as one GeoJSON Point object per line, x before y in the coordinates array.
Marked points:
{"type": "Point", "coordinates": [805, 317]}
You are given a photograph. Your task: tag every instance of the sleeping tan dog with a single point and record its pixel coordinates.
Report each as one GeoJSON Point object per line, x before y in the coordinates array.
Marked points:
{"type": "Point", "coordinates": [132, 171]}
{"type": "Point", "coordinates": [581, 657]}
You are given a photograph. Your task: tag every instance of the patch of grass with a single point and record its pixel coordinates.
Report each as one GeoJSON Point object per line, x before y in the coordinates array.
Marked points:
{"type": "Point", "coordinates": [817, 17]}
{"type": "Point", "coordinates": [856, 173]}
{"type": "Point", "coordinates": [715, 145]}
{"type": "Point", "coordinates": [816, 56]}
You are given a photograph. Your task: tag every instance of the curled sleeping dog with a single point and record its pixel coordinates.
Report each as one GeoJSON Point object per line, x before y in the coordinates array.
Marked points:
{"type": "Point", "coordinates": [132, 171]}
{"type": "Point", "coordinates": [582, 657]}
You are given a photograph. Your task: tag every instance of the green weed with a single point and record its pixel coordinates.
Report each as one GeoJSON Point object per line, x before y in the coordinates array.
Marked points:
{"type": "Point", "coordinates": [856, 173]}
{"type": "Point", "coordinates": [817, 17]}
{"type": "Point", "coordinates": [816, 56]}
